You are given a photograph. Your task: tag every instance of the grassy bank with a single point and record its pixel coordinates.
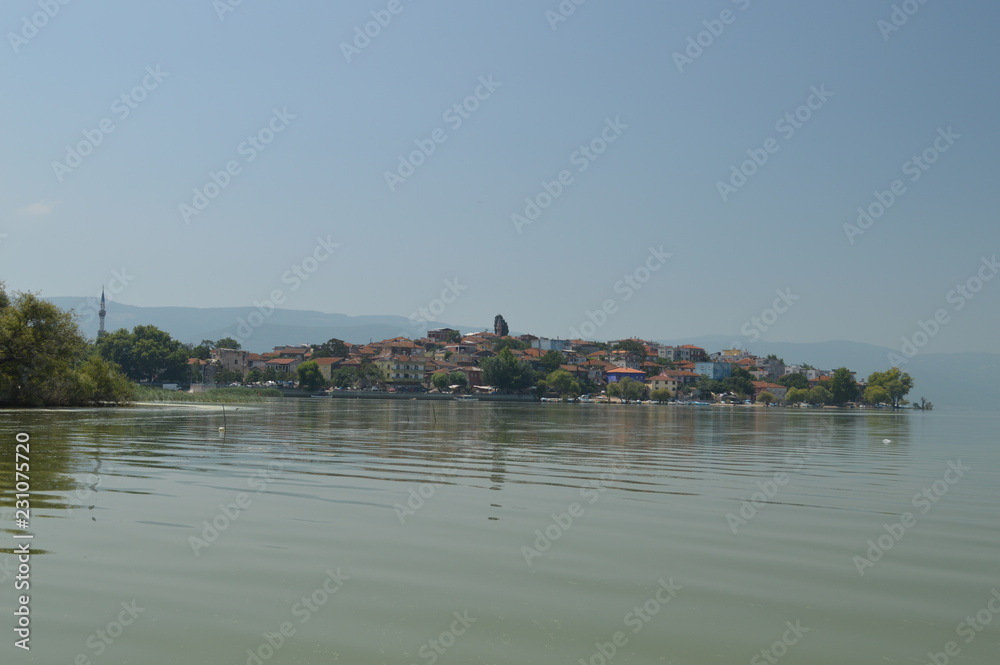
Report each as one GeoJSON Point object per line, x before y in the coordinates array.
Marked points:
{"type": "Point", "coordinates": [214, 396]}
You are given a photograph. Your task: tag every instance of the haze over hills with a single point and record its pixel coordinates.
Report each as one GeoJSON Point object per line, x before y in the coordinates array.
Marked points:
{"type": "Point", "coordinates": [960, 380]}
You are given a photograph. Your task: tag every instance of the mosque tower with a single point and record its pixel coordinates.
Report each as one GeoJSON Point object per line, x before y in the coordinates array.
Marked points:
{"type": "Point", "coordinates": [102, 312]}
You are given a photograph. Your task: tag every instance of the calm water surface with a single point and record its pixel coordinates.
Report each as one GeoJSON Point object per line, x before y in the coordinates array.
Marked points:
{"type": "Point", "coordinates": [421, 532]}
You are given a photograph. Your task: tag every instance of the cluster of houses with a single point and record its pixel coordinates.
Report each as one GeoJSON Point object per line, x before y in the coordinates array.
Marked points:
{"type": "Point", "coordinates": [408, 364]}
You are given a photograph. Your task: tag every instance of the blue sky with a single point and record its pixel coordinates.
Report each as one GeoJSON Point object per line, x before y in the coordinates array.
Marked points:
{"type": "Point", "coordinates": [553, 86]}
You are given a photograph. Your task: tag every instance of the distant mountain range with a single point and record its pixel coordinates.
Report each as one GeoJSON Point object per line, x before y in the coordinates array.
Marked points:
{"type": "Point", "coordinates": [958, 380]}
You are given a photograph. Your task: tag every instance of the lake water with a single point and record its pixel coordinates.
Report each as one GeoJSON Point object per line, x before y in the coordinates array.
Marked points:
{"type": "Point", "coordinates": [357, 532]}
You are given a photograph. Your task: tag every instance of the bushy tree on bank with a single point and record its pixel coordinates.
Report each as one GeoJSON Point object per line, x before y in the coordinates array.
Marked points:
{"type": "Point", "coordinates": [45, 360]}
{"type": "Point", "coordinates": [896, 383]}
{"type": "Point", "coordinates": [145, 354]}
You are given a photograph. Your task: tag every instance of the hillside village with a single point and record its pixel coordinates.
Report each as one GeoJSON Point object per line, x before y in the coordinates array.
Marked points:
{"type": "Point", "coordinates": [445, 360]}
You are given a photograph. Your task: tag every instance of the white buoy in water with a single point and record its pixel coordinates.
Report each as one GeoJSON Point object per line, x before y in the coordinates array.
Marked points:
{"type": "Point", "coordinates": [886, 441]}
{"type": "Point", "coordinates": [222, 429]}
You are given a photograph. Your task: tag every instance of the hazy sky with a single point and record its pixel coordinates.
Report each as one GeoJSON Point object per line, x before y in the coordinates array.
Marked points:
{"type": "Point", "coordinates": [116, 112]}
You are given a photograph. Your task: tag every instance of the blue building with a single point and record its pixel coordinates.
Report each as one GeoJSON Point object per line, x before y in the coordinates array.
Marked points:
{"type": "Point", "coordinates": [714, 371]}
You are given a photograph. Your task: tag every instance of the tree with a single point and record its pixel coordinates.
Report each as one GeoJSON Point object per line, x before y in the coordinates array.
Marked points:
{"type": "Point", "coordinates": [506, 372]}
{"type": "Point", "coordinates": [766, 398]}
{"type": "Point", "coordinates": [797, 395]}
{"type": "Point", "coordinates": [895, 382]}
{"type": "Point", "coordinates": [254, 376]}
{"type": "Point", "coordinates": [709, 388]}
{"type": "Point", "coordinates": [924, 405]}
{"type": "Point", "coordinates": [563, 383]}
{"type": "Point", "coordinates": [331, 348]}
{"type": "Point", "coordinates": [794, 381]}
{"type": "Point", "coordinates": [741, 382]}
{"type": "Point", "coordinates": [627, 390]}
{"type": "Point", "coordinates": [227, 376]}
{"type": "Point", "coordinates": [820, 395]}
{"type": "Point", "coordinates": [146, 353]}
{"type": "Point", "coordinates": [203, 351]}
{"type": "Point", "coordinates": [454, 337]}
{"type": "Point", "coordinates": [510, 343]}
{"type": "Point", "coordinates": [441, 380]}
{"type": "Point", "coordinates": [635, 349]}
{"type": "Point", "coordinates": [458, 378]}
{"type": "Point", "coordinates": [660, 395]}
{"type": "Point", "coordinates": [45, 360]}
{"type": "Point", "coordinates": [228, 343]}
{"type": "Point", "coordinates": [309, 375]}
{"type": "Point", "coordinates": [842, 386]}
{"type": "Point", "coordinates": [552, 360]}
{"type": "Point", "coordinates": [876, 395]}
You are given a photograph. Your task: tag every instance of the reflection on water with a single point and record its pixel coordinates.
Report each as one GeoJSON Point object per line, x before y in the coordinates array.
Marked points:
{"type": "Point", "coordinates": [427, 510]}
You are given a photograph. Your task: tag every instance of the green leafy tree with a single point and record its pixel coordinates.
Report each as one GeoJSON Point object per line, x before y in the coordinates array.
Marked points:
{"type": "Point", "coordinates": [797, 395]}
{"type": "Point", "coordinates": [820, 395]}
{"type": "Point", "coordinates": [441, 381]}
{"type": "Point", "coordinates": [507, 373]}
{"type": "Point", "coordinates": [332, 348]}
{"type": "Point", "coordinates": [636, 349]}
{"type": "Point", "coordinates": [842, 386]}
{"type": "Point", "coordinates": [146, 353]}
{"type": "Point", "coordinates": [203, 351]}
{"type": "Point", "coordinates": [627, 390]}
{"type": "Point", "coordinates": [708, 388]}
{"type": "Point", "coordinates": [766, 398]}
{"type": "Point", "coordinates": [794, 381]}
{"type": "Point", "coordinates": [45, 360]}
{"type": "Point", "coordinates": [563, 383]}
{"type": "Point", "coordinates": [502, 343]}
{"type": "Point", "coordinates": [551, 361]}
{"type": "Point", "coordinates": [227, 376]}
{"type": "Point", "coordinates": [344, 377]}
{"type": "Point", "coordinates": [228, 343]}
{"type": "Point", "coordinates": [309, 375]}
{"type": "Point", "coordinates": [876, 395]}
{"type": "Point", "coordinates": [255, 376]}
{"type": "Point", "coordinates": [460, 379]}
{"type": "Point", "coordinates": [740, 383]}
{"type": "Point", "coordinates": [660, 395]}
{"type": "Point", "coordinates": [895, 382]}
{"type": "Point", "coordinates": [454, 337]}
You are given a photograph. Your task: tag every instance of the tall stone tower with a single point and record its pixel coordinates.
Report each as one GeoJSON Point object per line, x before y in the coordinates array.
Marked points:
{"type": "Point", "coordinates": [500, 326]}
{"type": "Point", "coordinates": [102, 312]}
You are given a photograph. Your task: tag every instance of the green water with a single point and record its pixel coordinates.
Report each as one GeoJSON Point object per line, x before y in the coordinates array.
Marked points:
{"type": "Point", "coordinates": [420, 532]}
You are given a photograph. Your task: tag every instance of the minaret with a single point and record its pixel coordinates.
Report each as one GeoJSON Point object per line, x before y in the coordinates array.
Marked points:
{"type": "Point", "coordinates": [101, 312]}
